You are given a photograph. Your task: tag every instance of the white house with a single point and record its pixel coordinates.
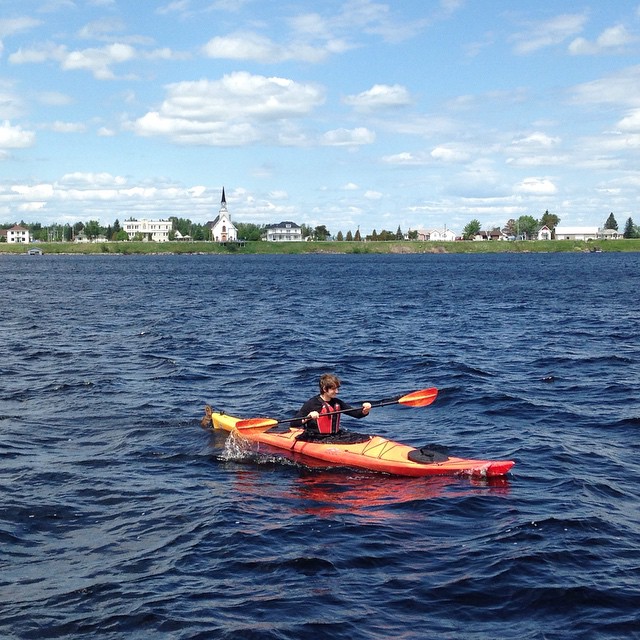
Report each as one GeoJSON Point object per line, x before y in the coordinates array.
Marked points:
{"type": "Point", "coordinates": [18, 234]}
{"type": "Point", "coordinates": [437, 235]}
{"type": "Point", "coordinates": [283, 232]}
{"type": "Point", "coordinates": [544, 233]}
{"type": "Point", "coordinates": [222, 229]}
{"type": "Point", "coordinates": [610, 234]}
{"type": "Point", "coordinates": [576, 233]}
{"type": "Point", "coordinates": [151, 230]}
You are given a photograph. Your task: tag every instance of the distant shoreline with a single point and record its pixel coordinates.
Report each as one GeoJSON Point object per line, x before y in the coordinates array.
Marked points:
{"type": "Point", "coordinates": [292, 248]}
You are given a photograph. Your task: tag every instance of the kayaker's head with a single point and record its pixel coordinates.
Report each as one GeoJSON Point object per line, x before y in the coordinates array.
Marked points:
{"type": "Point", "coordinates": [328, 381]}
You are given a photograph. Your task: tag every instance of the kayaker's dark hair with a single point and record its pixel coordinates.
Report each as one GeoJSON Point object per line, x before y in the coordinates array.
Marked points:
{"type": "Point", "coordinates": [328, 381]}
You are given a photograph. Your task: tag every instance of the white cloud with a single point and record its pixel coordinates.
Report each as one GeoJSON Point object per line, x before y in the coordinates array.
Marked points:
{"type": "Point", "coordinates": [11, 26]}
{"type": "Point", "coordinates": [631, 122]}
{"type": "Point", "coordinates": [253, 46]}
{"type": "Point", "coordinates": [405, 158]}
{"type": "Point", "coordinates": [449, 154]}
{"type": "Point", "coordinates": [549, 33]}
{"type": "Point", "coordinates": [621, 88]}
{"type": "Point", "coordinates": [612, 39]}
{"type": "Point", "coordinates": [14, 137]}
{"type": "Point", "coordinates": [536, 187]}
{"type": "Point", "coordinates": [536, 139]}
{"type": "Point", "coordinates": [348, 137]}
{"type": "Point", "coordinates": [54, 99]}
{"type": "Point", "coordinates": [380, 96]}
{"type": "Point", "coordinates": [98, 61]}
{"type": "Point", "coordinates": [67, 127]}
{"type": "Point", "coordinates": [227, 111]}
{"type": "Point", "coordinates": [373, 195]}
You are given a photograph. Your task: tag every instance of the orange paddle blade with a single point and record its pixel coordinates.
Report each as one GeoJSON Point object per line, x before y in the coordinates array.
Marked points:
{"type": "Point", "coordinates": [256, 423]}
{"type": "Point", "coordinates": [419, 398]}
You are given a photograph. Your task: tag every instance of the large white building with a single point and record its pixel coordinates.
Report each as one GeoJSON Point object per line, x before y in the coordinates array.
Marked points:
{"type": "Point", "coordinates": [283, 232]}
{"type": "Point", "coordinates": [150, 230]}
{"type": "Point", "coordinates": [18, 234]}
{"type": "Point", "coordinates": [576, 233]}
{"type": "Point", "coordinates": [222, 229]}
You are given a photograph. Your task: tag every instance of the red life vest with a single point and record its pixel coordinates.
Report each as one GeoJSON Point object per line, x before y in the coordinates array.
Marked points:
{"type": "Point", "coordinates": [328, 420]}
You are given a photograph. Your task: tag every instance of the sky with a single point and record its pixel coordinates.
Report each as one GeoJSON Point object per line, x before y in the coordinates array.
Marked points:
{"type": "Point", "coordinates": [353, 114]}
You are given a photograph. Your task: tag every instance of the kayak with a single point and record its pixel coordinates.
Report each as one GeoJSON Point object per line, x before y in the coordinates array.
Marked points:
{"type": "Point", "coordinates": [372, 452]}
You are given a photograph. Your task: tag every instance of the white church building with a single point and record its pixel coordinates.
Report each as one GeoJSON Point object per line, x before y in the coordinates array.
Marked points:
{"type": "Point", "coordinates": [222, 229]}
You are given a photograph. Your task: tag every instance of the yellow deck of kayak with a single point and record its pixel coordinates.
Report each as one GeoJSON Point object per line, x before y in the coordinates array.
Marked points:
{"type": "Point", "coordinates": [376, 454]}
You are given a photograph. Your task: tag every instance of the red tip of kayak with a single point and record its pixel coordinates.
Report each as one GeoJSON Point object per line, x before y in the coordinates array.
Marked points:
{"type": "Point", "coordinates": [499, 468]}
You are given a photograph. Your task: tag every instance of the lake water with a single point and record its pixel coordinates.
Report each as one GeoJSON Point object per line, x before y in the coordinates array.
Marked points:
{"type": "Point", "coordinates": [121, 517]}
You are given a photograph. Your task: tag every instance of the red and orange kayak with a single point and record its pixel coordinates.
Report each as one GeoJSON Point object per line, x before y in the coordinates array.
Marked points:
{"type": "Point", "coordinates": [374, 452]}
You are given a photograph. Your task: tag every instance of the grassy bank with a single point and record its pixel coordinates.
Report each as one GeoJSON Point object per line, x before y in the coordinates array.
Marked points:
{"type": "Point", "coordinates": [126, 248]}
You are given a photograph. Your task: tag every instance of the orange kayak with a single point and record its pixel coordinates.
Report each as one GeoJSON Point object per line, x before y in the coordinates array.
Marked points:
{"type": "Point", "coordinates": [373, 452]}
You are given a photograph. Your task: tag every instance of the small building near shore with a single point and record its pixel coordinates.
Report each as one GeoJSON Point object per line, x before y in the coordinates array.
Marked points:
{"type": "Point", "coordinates": [222, 229]}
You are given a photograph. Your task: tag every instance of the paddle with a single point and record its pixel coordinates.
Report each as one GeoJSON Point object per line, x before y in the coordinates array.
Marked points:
{"type": "Point", "coordinates": [420, 398]}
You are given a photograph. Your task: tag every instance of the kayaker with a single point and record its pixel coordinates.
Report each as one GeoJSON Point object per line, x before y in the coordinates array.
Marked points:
{"type": "Point", "coordinates": [318, 414]}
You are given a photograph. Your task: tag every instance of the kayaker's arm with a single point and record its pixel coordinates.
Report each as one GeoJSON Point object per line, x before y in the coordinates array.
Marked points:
{"type": "Point", "coordinates": [355, 412]}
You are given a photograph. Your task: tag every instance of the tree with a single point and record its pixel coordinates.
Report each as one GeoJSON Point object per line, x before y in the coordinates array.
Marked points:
{"type": "Point", "coordinates": [306, 230]}
{"type": "Point", "coordinates": [349, 236]}
{"type": "Point", "coordinates": [413, 235]}
{"type": "Point", "coordinates": [630, 229]}
{"type": "Point", "coordinates": [471, 230]}
{"type": "Point", "coordinates": [511, 228]}
{"type": "Point", "coordinates": [611, 222]}
{"type": "Point", "coordinates": [321, 232]}
{"type": "Point", "coordinates": [550, 220]}
{"type": "Point", "coordinates": [93, 229]}
{"type": "Point", "coordinates": [528, 227]}
{"type": "Point", "coordinates": [249, 231]}
{"type": "Point", "coordinates": [399, 235]}
{"type": "Point", "coordinates": [374, 235]}
{"type": "Point", "coordinates": [357, 237]}
{"type": "Point", "coordinates": [339, 237]}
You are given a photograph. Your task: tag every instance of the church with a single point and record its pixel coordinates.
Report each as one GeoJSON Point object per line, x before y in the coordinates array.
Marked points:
{"type": "Point", "coordinates": [222, 229]}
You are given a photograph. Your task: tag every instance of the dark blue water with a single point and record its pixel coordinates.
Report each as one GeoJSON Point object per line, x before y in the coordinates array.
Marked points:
{"type": "Point", "coordinates": [121, 517]}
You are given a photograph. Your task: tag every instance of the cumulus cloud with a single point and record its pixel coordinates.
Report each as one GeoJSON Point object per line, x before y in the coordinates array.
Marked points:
{"type": "Point", "coordinates": [405, 158]}
{"type": "Point", "coordinates": [631, 122]}
{"type": "Point", "coordinates": [253, 46]}
{"type": "Point", "coordinates": [227, 111]}
{"type": "Point", "coordinates": [536, 187]}
{"type": "Point", "coordinates": [449, 154]}
{"type": "Point", "coordinates": [98, 61]}
{"type": "Point", "coordinates": [15, 137]}
{"type": "Point", "coordinates": [621, 88]}
{"type": "Point", "coordinates": [348, 137]}
{"type": "Point", "coordinates": [380, 96]}
{"type": "Point", "coordinates": [11, 26]}
{"type": "Point", "coordinates": [536, 139]}
{"type": "Point", "coordinates": [610, 40]}
{"type": "Point", "coordinates": [548, 33]}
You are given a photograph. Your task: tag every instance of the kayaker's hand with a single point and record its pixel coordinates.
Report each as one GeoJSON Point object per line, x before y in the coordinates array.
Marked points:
{"type": "Point", "coordinates": [366, 407]}
{"type": "Point", "coordinates": [313, 415]}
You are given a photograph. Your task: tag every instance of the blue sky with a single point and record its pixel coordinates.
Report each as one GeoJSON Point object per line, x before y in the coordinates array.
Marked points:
{"type": "Point", "coordinates": [364, 114]}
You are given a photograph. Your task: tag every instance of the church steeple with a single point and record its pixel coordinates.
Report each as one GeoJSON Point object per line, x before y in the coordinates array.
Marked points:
{"type": "Point", "coordinates": [223, 202]}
